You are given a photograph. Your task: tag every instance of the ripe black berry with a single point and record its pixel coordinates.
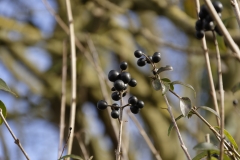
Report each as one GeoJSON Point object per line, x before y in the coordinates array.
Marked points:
{"type": "Point", "coordinates": [140, 104]}
{"type": "Point", "coordinates": [203, 12]}
{"type": "Point", "coordinates": [235, 102]}
{"type": "Point", "coordinates": [199, 25]}
{"type": "Point", "coordinates": [218, 6]}
{"type": "Point", "coordinates": [156, 57]}
{"type": "Point", "coordinates": [138, 53]}
{"type": "Point", "coordinates": [125, 86]}
{"type": "Point", "coordinates": [119, 85]}
{"type": "Point", "coordinates": [114, 114]}
{"type": "Point", "coordinates": [124, 94]}
{"type": "Point", "coordinates": [217, 30]}
{"type": "Point", "coordinates": [149, 59]}
{"type": "Point", "coordinates": [134, 109]}
{"type": "Point", "coordinates": [116, 96]}
{"type": "Point", "coordinates": [123, 65]}
{"type": "Point", "coordinates": [208, 26]}
{"type": "Point", "coordinates": [132, 100]}
{"type": "Point", "coordinates": [102, 105]}
{"type": "Point", "coordinates": [141, 62]}
{"type": "Point", "coordinates": [200, 34]}
{"type": "Point", "coordinates": [125, 77]}
{"type": "Point", "coordinates": [113, 89]}
{"type": "Point", "coordinates": [132, 82]}
{"type": "Point", "coordinates": [115, 106]}
{"type": "Point", "coordinates": [113, 75]}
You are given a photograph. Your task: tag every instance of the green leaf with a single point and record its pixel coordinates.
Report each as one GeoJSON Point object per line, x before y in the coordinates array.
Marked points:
{"type": "Point", "coordinates": [205, 146]}
{"type": "Point", "coordinates": [165, 88]}
{"type": "Point", "coordinates": [172, 124]}
{"type": "Point", "coordinates": [236, 87]}
{"type": "Point", "coordinates": [156, 84]}
{"type": "Point", "coordinates": [210, 110]}
{"type": "Point", "coordinates": [166, 80]}
{"type": "Point", "coordinates": [205, 153]}
{"type": "Point", "coordinates": [229, 137]}
{"type": "Point", "coordinates": [3, 86]}
{"type": "Point", "coordinates": [4, 111]}
{"type": "Point", "coordinates": [71, 156]}
{"type": "Point", "coordinates": [186, 85]}
{"type": "Point", "coordinates": [185, 105]}
{"type": "Point", "coordinates": [167, 68]}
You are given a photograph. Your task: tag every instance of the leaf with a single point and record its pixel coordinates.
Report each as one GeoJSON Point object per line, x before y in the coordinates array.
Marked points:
{"type": "Point", "coordinates": [3, 86]}
{"type": "Point", "coordinates": [71, 156]}
{"type": "Point", "coordinates": [166, 80]}
{"type": "Point", "coordinates": [186, 85]}
{"type": "Point", "coordinates": [4, 111]}
{"type": "Point", "coordinates": [205, 146]}
{"type": "Point", "coordinates": [167, 68]}
{"type": "Point", "coordinates": [212, 152]}
{"type": "Point", "coordinates": [210, 110]}
{"type": "Point", "coordinates": [165, 88]}
{"type": "Point", "coordinates": [156, 84]}
{"type": "Point", "coordinates": [172, 124]}
{"type": "Point", "coordinates": [185, 105]}
{"type": "Point", "coordinates": [229, 137]}
{"type": "Point", "coordinates": [236, 87]}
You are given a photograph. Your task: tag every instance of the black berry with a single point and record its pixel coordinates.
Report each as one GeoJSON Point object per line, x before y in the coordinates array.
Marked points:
{"type": "Point", "coordinates": [114, 114]}
{"type": "Point", "coordinates": [217, 30]}
{"type": "Point", "coordinates": [119, 85]}
{"type": "Point", "coordinates": [113, 75]}
{"type": "Point", "coordinates": [132, 83]}
{"type": "Point", "coordinates": [134, 109]}
{"type": "Point", "coordinates": [140, 104]}
{"type": "Point", "coordinates": [141, 62]}
{"type": "Point", "coordinates": [218, 6]}
{"type": "Point", "coordinates": [102, 105]}
{"type": "Point", "coordinates": [125, 86]}
{"type": "Point", "coordinates": [203, 12]}
{"type": "Point", "coordinates": [208, 26]}
{"type": "Point", "coordinates": [156, 57]}
{"type": "Point", "coordinates": [116, 96]}
{"type": "Point", "coordinates": [113, 89]}
{"type": "Point", "coordinates": [138, 53]}
{"type": "Point", "coordinates": [200, 34]}
{"type": "Point", "coordinates": [125, 77]}
{"type": "Point", "coordinates": [199, 25]}
{"type": "Point", "coordinates": [235, 102]}
{"type": "Point", "coordinates": [149, 59]}
{"type": "Point", "coordinates": [115, 106]}
{"type": "Point", "coordinates": [132, 100]}
{"type": "Point", "coordinates": [124, 94]}
{"type": "Point", "coordinates": [123, 65]}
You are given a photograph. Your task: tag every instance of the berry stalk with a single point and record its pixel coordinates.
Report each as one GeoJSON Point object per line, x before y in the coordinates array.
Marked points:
{"type": "Point", "coordinates": [119, 153]}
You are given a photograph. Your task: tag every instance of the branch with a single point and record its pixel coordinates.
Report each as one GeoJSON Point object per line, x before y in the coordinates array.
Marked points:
{"type": "Point", "coordinates": [145, 136]}
{"type": "Point", "coordinates": [73, 77]}
{"type": "Point", "coordinates": [16, 140]}
{"type": "Point", "coordinates": [63, 100]}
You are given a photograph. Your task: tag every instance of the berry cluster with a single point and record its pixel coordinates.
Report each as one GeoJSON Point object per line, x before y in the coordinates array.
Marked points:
{"type": "Point", "coordinates": [205, 23]}
{"type": "Point", "coordinates": [121, 80]}
{"type": "Point", "coordinates": [150, 59]}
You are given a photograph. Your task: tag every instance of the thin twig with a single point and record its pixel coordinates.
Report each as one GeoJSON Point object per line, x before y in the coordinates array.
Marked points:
{"type": "Point", "coordinates": [119, 152]}
{"type": "Point", "coordinates": [221, 96]}
{"type": "Point", "coordinates": [210, 77]}
{"type": "Point", "coordinates": [218, 136]}
{"type": "Point", "coordinates": [82, 146]}
{"type": "Point", "coordinates": [207, 139]}
{"type": "Point", "coordinates": [145, 137]}
{"type": "Point", "coordinates": [69, 134]}
{"type": "Point", "coordinates": [235, 6]}
{"type": "Point", "coordinates": [73, 77]}
{"type": "Point", "coordinates": [16, 140]}
{"type": "Point", "coordinates": [222, 27]}
{"type": "Point", "coordinates": [177, 129]}
{"type": "Point", "coordinates": [63, 99]}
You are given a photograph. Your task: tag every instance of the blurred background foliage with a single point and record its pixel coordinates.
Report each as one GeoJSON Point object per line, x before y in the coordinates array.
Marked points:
{"type": "Point", "coordinates": [31, 46]}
